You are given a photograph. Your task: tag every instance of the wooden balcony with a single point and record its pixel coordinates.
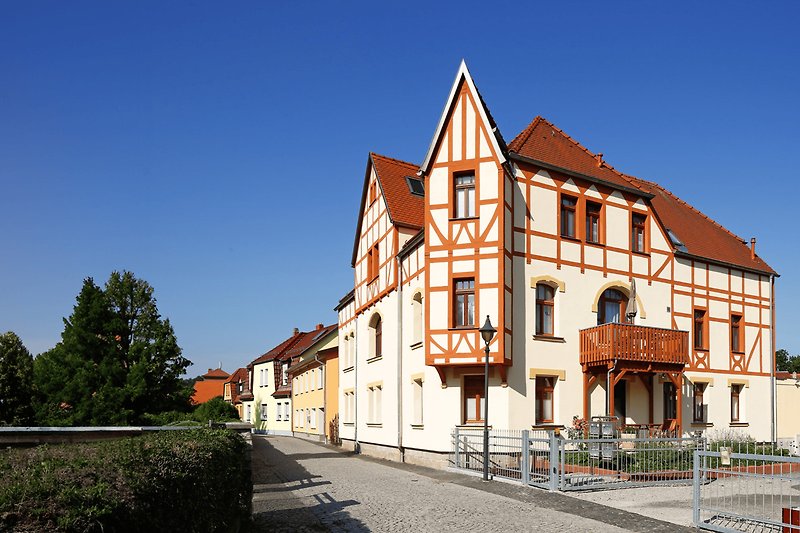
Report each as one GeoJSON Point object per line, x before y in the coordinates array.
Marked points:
{"type": "Point", "coordinates": [641, 347]}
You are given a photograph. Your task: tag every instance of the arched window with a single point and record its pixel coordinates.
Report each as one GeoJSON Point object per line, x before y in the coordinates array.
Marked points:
{"type": "Point", "coordinates": [376, 327]}
{"type": "Point", "coordinates": [545, 297]}
{"type": "Point", "coordinates": [611, 307]}
{"type": "Point", "coordinates": [416, 306]}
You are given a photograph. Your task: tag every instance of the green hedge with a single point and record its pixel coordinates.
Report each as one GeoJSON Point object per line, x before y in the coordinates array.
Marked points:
{"type": "Point", "coordinates": [187, 480]}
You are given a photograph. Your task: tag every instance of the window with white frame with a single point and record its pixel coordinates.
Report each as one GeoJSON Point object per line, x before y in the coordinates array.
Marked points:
{"type": "Point", "coordinates": [278, 411]}
{"type": "Point", "coordinates": [263, 412]}
{"type": "Point", "coordinates": [375, 399]}
{"type": "Point", "coordinates": [320, 377]}
{"type": "Point", "coordinates": [313, 418]}
{"type": "Point", "coordinates": [285, 374]}
{"type": "Point", "coordinates": [286, 411]}
{"type": "Point", "coordinates": [308, 417]}
{"type": "Point", "coordinates": [416, 312]}
{"type": "Point", "coordinates": [349, 406]}
{"type": "Point", "coordinates": [416, 387]}
{"type": "Point", "coordinates": [249, 413]}
{"type": "Point", "coordinates": [376, 336]}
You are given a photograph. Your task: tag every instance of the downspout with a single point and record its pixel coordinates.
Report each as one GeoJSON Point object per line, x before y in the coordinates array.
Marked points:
{"type": "Point", "coordinates": [609, 388]}
{"type": "Point", "coordinates": [772, 385]}
{"type": "Point", "coordinates": [400, 360]}
{"type": "Point", "coordinates": [356, 445]}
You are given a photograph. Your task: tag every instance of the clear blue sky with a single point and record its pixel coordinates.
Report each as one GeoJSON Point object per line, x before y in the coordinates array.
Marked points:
{"type": "Point", "coordinates": [217, 150]}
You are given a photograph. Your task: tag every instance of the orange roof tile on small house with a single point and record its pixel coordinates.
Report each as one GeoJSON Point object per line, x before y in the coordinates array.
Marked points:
{"type": "Point", "coordinates": [543, 144]}
{"type": "Point", "coordinates": [209, 385]}
{"type": "Point", "coordinates": [405, 208]}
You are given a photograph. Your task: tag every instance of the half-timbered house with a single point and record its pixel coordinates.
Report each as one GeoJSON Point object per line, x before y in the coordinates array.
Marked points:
{"type": "Point", "coordinates": [610, 295]}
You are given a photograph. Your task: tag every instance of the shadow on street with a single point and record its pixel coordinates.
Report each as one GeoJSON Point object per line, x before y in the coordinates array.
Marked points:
{"type": "Point", "coordinates": [276, 506]}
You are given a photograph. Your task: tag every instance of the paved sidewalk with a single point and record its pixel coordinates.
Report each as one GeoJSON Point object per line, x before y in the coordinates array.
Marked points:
{"type": "Point", "coordinates": [303, 486]}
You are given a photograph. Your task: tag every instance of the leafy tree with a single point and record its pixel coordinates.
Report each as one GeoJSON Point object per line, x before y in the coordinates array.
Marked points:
{"type": "Point", "coordinates": [117, 361]}
{"type": "Point", "coordinates": [216, 409]}
{"type": "Point", "coordinates": [16, 372]}
{"type": "Point", "coordinates": [785, 362]}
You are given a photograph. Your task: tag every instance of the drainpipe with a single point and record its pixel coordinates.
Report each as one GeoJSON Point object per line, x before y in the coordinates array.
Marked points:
{"type": "Point", "coordinates": [356, 445]}
{"type": "Point", "coordinates": [772, 386]}
{"type": "Point", "coordinates": [610, 387]}
{"type": "Point", "coordinates": [400, 360]}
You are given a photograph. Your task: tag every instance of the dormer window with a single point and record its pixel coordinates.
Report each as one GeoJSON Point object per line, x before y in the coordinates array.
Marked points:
{"type": "Point", "coordinates": [416, 186]}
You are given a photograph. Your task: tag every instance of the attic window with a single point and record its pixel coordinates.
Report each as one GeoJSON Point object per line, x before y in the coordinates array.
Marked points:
{"type": "Point", "coordinates": [676, 242]}
{"type": "Point", "coordinates": [416, 186]}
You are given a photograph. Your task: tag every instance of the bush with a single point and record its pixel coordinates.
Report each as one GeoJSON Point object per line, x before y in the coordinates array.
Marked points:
{"type": "Point", "coordinates": [216, 409]}
{"type": "Point", "coordinates": [188, 480]}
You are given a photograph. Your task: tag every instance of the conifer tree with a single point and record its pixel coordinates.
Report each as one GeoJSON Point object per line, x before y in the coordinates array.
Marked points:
{"type": "Point", "coordinates": [16, 373]}
{"type": "Point", "coordinates": [117, 361]}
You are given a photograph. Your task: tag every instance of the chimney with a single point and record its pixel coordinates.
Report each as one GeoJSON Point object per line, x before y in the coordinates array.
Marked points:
{"type": "Point", "coordinates": [209, 369]}
{"type": "Point", "coordinates": [319, 326]}
{"type": "Point", "coordinates": [752, 247]}
{"type": "Point", "coordinates": [599, 158]}
{"type": "Point", "coordinates": [296, 331]}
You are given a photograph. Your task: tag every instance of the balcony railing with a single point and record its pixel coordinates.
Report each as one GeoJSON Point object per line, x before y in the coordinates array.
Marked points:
{"type": "Point", "coordinates": [625, 342]}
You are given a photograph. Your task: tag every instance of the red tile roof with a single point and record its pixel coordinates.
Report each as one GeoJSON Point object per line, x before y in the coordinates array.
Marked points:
{"type": "Point", "coordinates": [543, 141]}
{"type": "Point", "coordinates": [216, 373]}
{"type": "Point", "coordinates": [405, 209]}
{"type": "Point", "coordinates": [307, 340]}
{"type": "Point", "coordinates": [276, 351]}
{"type": "Point", "coordinates": [702, 237]}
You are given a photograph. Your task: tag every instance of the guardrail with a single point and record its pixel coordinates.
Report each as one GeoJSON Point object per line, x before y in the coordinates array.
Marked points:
{"type": "Point", "coordinates": [34, 435]}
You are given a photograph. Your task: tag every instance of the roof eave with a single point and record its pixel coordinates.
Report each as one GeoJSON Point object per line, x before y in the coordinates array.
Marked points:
{"type": "Point", "coordinates": [519, 157]}
{"type": "Point", "coordinates": [411, 244]}
{"type": "Point", "coordinates": [689, 255]}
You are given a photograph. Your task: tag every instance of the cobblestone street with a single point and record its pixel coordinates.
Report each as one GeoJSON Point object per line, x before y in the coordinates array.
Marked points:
{"type": "Point", "coordinates": [304, 486]}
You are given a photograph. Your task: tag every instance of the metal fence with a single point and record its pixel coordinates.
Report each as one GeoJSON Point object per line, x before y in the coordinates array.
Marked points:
{"type": "Point", "coordinates": [626, 461]}
{"type": "Point", "coordinates": [746, 487]}
{"type": "Point", "coordinates": [544, 459]}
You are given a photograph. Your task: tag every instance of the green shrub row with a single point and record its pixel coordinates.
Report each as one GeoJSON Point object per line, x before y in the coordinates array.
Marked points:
{"type": "Point", "coordinates": [185, 480]}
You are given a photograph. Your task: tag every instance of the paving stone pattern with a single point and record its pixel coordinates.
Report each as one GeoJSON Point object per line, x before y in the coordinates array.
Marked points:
{"type": "Point", "coordinates": [301, 486]}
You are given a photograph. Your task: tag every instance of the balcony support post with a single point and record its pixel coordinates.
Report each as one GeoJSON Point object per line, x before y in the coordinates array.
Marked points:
{"type": "Point", "coordinates": [647, 381]}
{"type": "Point", "coordinates": [586, 391]}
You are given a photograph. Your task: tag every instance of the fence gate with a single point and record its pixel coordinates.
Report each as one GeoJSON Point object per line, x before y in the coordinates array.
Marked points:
{"type": "Point", "coordinates": [746, 492]}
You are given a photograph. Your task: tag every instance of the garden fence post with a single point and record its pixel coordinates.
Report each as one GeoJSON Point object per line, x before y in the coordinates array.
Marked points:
{"type": "Point", "coordinates": [525, 457]}
{"type": "Point", "coordinates": [696, 489]}
{"type": "Point", "coordinates": [456, 447]}
{"type": "Point", "coordinates": [555, 439]}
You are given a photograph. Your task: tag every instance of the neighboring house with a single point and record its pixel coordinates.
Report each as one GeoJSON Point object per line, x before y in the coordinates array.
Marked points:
{"type": "Point", "coordinates": [315, 379]}
{"type": "Point", "coordinates": [788, 398]}
{"type": "Point", "coordinates": [552, 243]}
{"type": "Point", "coordinates": [235, 387]}
{"type": "Point", "coordinates": [209, 385]}
{"type": "Point", "coordinates": [269, 376]}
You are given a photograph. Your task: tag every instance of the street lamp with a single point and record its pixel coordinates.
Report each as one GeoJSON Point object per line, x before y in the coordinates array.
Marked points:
{"type": "Point", "coordinates": [487, 333]}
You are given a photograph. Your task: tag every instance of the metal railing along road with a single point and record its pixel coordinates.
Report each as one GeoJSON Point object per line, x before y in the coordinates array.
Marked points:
{"type": "Point", "coordinates": [545, 459]}
{"type": "Point", "coordinates": [746, 487]}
